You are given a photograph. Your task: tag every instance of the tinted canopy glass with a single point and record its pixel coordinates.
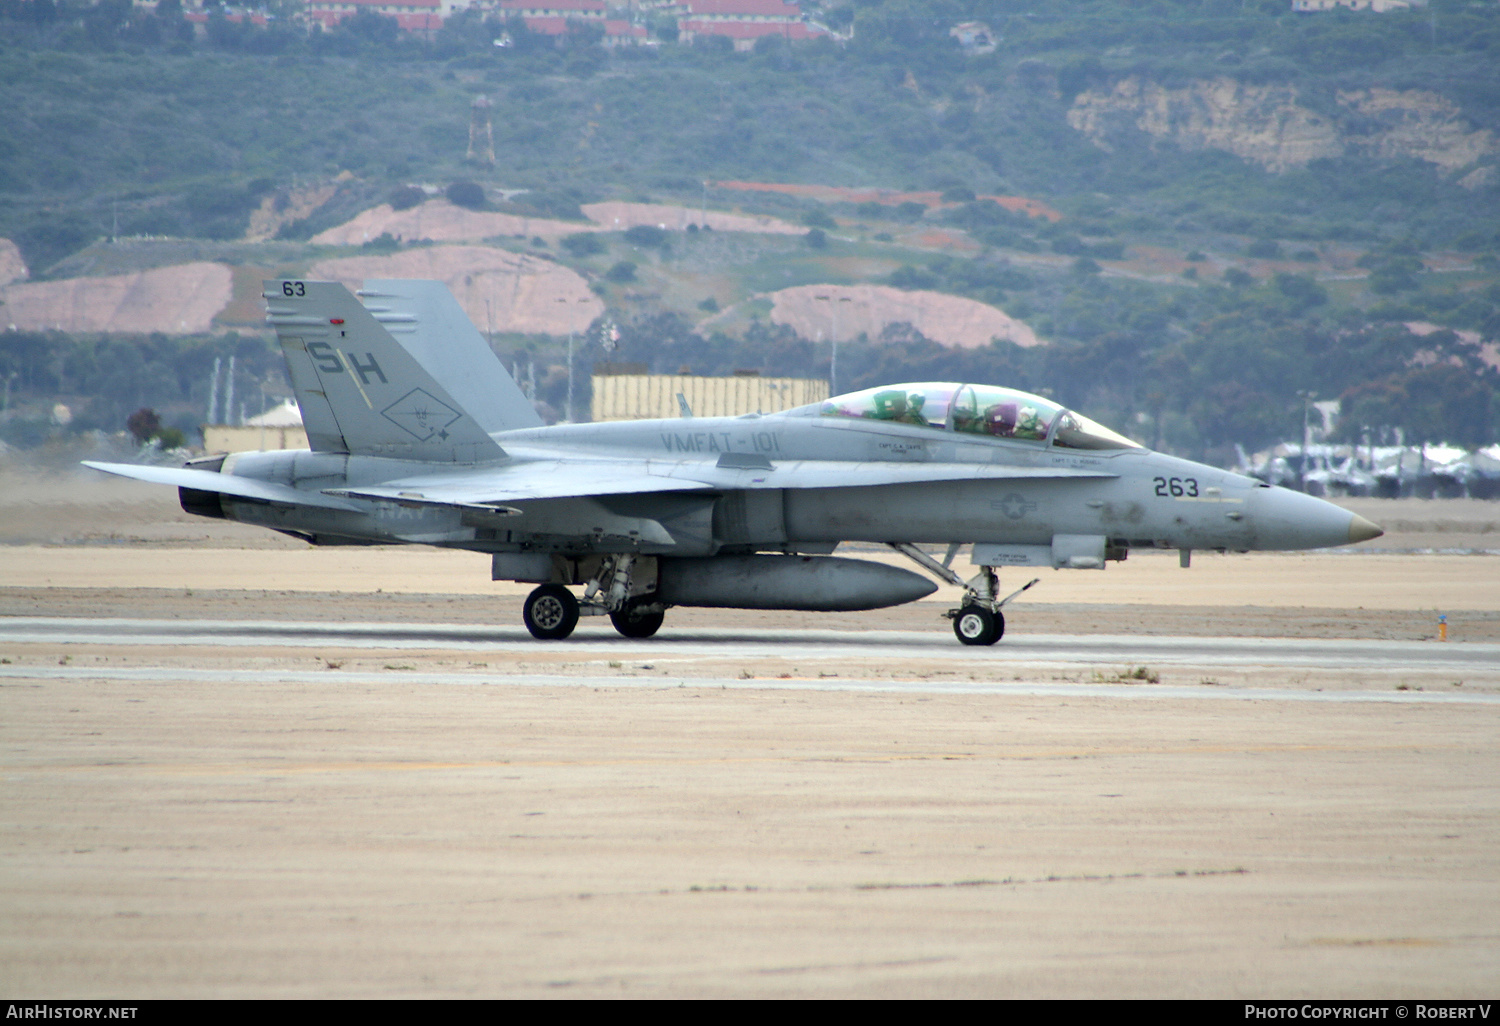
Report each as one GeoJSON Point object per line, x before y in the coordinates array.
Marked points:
{"type": "Point", "coordinates": [987, 410]}
{"type": "Point", "coordinates": [1003, 413]}
{"type": "Point", "coordinates": [924, 405]}
{"type": "Point", "coordinates": [1075, 431]}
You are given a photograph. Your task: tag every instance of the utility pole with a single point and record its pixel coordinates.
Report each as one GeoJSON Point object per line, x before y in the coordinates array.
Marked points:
{"type": "Point", "coordinates": [571, 333]}
{"type": "Point", "coordinates": [833, 338]}
{"type": "Point", "coordinates": [1307, 398]}
{"type": "Point", "coordinates": [229, 393]}
{"type": "Point", "coordinates": [213, 395]}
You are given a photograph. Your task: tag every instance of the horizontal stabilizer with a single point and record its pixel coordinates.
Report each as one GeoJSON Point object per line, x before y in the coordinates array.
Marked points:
{"type": "Point", "coordinates": [407, 497]}
{"type": "Point", "coordinates": [224, 484]}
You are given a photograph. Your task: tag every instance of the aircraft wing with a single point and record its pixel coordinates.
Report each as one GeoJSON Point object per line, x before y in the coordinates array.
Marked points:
{"type": "Point", "coordinates": [856, 474]}
{"type": "Point", "coordinates": [227, 484]}
{"type": "Point", "coordinates": [557, 479]}
{"type": "Point", "coordinates": [541, 479]}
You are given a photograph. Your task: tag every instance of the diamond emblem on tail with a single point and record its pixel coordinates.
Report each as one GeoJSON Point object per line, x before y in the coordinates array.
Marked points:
{"type": "Point", "coordinates": [421, 416]}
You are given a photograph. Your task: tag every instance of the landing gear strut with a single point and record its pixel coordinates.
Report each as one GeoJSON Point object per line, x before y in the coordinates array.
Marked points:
{"type": "Point", "coordinates": [978, 620]}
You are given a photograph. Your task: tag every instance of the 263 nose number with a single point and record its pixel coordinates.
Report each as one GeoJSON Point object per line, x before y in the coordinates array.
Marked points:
{"type": "Point", "coordinates": [1177, 487]}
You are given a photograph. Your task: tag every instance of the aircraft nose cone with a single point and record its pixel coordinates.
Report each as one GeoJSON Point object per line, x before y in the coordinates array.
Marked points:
{"type": "Point", "coordinates": [1284, 519]}
{"type": "Point", "coordinates": [1361, 529]}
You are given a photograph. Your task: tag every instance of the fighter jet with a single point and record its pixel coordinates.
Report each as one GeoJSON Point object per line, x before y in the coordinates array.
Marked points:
{"type": "Point", "coordinates": [419, 436]}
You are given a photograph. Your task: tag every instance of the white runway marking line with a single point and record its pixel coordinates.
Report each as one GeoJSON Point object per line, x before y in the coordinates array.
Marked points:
{"type": "Point", "coordinates": [172, 674]}
{"type": "Point", "coordinates": [1031, 651]}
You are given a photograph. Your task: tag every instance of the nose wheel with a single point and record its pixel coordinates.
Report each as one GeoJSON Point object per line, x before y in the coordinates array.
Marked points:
{"type": "Point", "coordinates": [976, 625]}
{"type": "Point", "coordinates": [550, 612]}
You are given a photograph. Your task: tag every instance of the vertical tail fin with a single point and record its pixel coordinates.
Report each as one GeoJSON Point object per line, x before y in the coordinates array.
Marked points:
{"type": "Point", "coordinates": [359, 390]}
{"type": "Point", "coordinates": [429, 324]}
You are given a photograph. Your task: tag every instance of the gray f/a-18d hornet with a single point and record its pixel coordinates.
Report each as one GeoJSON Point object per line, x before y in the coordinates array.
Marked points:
{"type": "Point", "coordinates": [419, 435]}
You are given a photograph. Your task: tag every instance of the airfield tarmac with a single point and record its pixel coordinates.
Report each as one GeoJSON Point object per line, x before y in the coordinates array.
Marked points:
{"type": "Point", "coordinates": [237, 767]}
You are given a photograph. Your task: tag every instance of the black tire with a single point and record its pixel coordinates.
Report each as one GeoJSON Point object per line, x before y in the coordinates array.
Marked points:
{"type": "Point", "coordinates": [637, 625]}
{"type": "Point", "coordinates": [975, 625]}
{"type": "Point", "coordinates": [550, 612]}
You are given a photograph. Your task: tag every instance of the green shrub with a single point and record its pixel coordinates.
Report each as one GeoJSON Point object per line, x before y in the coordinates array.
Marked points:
{"type": "Point", "coordinates": [647, 235]}
{"type": "Point", "coordinates": [469, 195]}
{"type": "Point", "coordinates": [582, 244]}
{"type": "Point", "coordinates": [407, 196]}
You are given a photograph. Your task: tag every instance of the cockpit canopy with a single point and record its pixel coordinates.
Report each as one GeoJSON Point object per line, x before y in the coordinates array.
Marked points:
{"type": "Point", "coordinates": [975, 410]}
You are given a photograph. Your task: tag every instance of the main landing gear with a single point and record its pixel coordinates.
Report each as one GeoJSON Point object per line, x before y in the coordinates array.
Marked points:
{"type": "Point", "coordinates": [978, 621]}
{"type": "Point", "coordinates": [551, 612]}
{"type": "Point", "coordinates": [634, 624]}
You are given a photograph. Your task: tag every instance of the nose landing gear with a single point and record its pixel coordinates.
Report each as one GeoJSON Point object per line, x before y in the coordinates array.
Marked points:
{"type": "Point", "coordinates": [978, 621]}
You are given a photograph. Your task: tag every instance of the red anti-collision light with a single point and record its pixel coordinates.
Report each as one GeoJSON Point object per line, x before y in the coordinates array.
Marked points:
{"type": "Point", "coordinates": [335, 320]}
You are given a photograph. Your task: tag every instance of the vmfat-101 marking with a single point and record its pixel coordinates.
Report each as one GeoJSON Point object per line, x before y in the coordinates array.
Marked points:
{"type": "Point", "coordinates": [720, 441]}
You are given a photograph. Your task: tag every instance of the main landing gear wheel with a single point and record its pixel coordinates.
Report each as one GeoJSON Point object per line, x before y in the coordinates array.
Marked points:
{"type": "Point", "coordinates": [976, 625]}
{"type": "Point", "coordinates": [637, 625]}
{"type": "Point", "coordinates": [550, 612]}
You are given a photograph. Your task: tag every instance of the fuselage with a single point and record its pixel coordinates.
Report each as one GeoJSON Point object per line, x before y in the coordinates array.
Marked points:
{"type": "Point", "coordinates": [1141, 499]}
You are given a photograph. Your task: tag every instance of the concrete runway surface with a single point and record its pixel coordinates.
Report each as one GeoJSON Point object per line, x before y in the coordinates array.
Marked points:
{"type": "Point", "coordinates": [279, 809]}
{"type": "Point", "coordinates": [683, 648]}
{"type": "Point", "coordinates": [239, 771]}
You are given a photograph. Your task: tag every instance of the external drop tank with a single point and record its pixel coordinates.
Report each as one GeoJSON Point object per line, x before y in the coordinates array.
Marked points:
{"type": "Point", "coordinates": [813, 583]}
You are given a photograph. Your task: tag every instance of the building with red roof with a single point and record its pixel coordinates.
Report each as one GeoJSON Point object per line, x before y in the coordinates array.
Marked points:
{"type": "Point", "coordinates": [199, 18]}
{"type": "Point", "coordinates": [410, 15]}
{"type": "Point", "coordinates": [744, 21]}
{"type": "Point", "coordinates": [742, 10]}
{"type": "Point", "coordinates": [623, 33]}
{"type": "Point", "coordinates": [552, 17]}
{"type": "Point", "coordinates": [550, 10]}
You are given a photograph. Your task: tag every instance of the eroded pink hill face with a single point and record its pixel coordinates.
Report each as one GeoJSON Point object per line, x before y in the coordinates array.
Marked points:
{"type": "Point", "coordinates": [951, 320]}
{"type": "Point", "coordinates": [499, 290]}
{"type": "Point", "coordinates": [437, 220]}
{"type": "Point", "coordinates": [12, 267]}
{"type": "Point", "coordinates": [178, 300]}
